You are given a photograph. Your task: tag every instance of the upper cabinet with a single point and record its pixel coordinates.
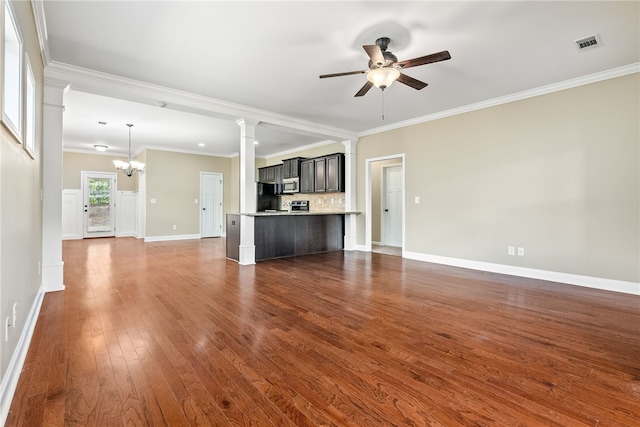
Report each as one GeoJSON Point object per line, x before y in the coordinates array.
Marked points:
{"type": "Point", "coordinates": [322, 174]}
{"type": "Point", "coordinates": [307, 176]}
{"type": "Point", "coordinates": [291, 167]}
{"type": "Point", "coordinates": [334, 173]}
{"type": "Point", "coordinates": [267, 174]}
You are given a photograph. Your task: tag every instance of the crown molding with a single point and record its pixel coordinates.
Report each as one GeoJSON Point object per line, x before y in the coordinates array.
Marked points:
{"type": "Point", "coordinates": [99, 83]}
{"type": "Point", "coordinates": [183, 151]}
{"type": "Point", "coordinates": [37, 8]}
{"type": "Point", "coordinates": [543, 90]}
{"type": "Point", "coordinates": [302, 148]}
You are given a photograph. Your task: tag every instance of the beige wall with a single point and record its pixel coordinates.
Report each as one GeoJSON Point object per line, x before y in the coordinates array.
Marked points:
{"type": "Point", "coordinates": [20, 204]}
{"type": "Point", "coordinates": [74, 163]}
{"type": "Point", "coordinates": [173, 179]}
{"type": "Point", "coordinates": [557, 174]}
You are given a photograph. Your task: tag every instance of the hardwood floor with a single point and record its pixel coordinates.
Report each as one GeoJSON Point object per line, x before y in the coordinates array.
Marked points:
{"type": "Point", "coordinates": [172, 333]}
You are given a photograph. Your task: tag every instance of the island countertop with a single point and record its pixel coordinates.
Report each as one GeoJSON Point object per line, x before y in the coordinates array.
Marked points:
{"type": "Point", "coordinates": [287, 213]}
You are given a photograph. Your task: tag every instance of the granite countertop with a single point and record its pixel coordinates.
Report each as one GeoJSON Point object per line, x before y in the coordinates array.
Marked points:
{"type": "Point", "coordinates": [287, 213]}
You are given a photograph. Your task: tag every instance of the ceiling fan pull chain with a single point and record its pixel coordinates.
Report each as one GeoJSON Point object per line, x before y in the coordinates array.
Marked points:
{"type": "Point", "coordinates": [382, 104]}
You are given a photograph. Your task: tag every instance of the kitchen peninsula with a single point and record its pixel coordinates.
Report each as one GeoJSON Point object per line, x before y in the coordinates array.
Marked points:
{"type": "Point", "coordinates": [301, 209]}
{"type": "Point", "coordinates": [288, 234]}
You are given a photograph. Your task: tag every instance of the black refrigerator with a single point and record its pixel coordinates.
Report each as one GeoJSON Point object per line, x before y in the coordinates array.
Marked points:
{"type": "Point", "coordinates": [267, 199]}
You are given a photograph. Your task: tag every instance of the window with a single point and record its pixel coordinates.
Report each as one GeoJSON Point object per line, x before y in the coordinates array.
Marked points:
{"type": "Point", "coordinates": [30, 111]}
{"type": "Point", "coordinates": [12, 74]}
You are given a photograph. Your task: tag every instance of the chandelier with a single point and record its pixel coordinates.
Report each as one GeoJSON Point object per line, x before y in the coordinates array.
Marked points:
{"type": "Point", "coordinates": [131, 166]}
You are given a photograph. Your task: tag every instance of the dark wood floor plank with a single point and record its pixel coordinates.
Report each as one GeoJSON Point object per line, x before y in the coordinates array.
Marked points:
{"type": "Point", "coordinates": [172, 333]}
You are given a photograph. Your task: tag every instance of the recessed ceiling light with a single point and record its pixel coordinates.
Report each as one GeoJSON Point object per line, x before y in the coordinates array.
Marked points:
{"type": "Point", "coordinates": [100, 147]}
{"type": "Point", "coordinates": [201, 145]}
{"type": "Point", "coordinates": [256, 142]}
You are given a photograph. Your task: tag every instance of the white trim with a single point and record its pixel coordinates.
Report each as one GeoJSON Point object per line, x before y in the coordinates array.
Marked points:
{"type": "Point", "coordinates": [532, 273]}
{"type": "Point", "coordinates": [171, 237]}
{"type": "Point", "coordinates": [99, 83]}
{"type": "Point", "coordinates": [220, 176]}
{"type": "Point", "coordinates": [367, 197]}
{"type": "Point", "coordinates": [298, 149]}
{"type": "Point", "coordinates": [72, 214]}
{"type": "Point", "coordinates": [12, 375]}
{"type": "Point", "coordinates": [113, 176]}
{"type": "Point", "coordinates": [37, 8]}
{"type": "Point", "coordinates": [543, 90]}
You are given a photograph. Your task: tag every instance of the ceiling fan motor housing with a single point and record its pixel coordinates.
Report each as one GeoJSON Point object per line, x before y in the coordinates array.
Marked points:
{"type": "Point", "coordinates": [389, 60]}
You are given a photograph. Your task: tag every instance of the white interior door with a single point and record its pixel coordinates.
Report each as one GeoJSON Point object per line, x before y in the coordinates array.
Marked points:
{"type": "Point", "coordinates": [99, 198]}
{"type": "Point", "coordinates": [210, 204]}
{"type": "Point", "coordinates": [392, 206]}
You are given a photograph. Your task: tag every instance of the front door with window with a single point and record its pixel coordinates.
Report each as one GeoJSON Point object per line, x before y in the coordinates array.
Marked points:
{"type": "Point", "coordinates": [99, 191]}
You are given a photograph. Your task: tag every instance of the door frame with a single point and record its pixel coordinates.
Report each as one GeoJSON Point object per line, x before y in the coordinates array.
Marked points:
{"type": "Point", "coordinates": [220, 176]}
{"type": "Point", "coordinates": [368, 199]}
{"type": "Point", "coordinates": [114, 179]}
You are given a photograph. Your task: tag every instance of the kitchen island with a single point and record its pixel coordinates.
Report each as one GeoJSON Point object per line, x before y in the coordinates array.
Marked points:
{"type": "Point", "coordinates": [288, 234]}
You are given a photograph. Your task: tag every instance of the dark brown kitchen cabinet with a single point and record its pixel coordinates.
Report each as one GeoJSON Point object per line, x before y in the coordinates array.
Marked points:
{"type": "Point", "coordinates": [278, 172]}
{"type": "Point", "coordinates": [323, 174]}
{"type": "Point", "coordinates": [320, 177]}
{"type": "Point", "coordinates": [233, 236]}
{"type": "Point", "coordinates": [267, 174]}
{"type": "Point", "coordinates": [307, 176]}
{"type": "Point", "coordinates": [291, 167]}
{"type": "Point", "coordinates": [334, 173]}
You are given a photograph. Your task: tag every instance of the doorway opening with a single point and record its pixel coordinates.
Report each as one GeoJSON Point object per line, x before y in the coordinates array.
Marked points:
{"type": "Point", "coordinates": [385, 205]}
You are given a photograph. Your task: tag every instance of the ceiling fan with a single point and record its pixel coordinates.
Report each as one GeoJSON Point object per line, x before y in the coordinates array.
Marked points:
{"type": "Point", "coordinates": [384, 67]}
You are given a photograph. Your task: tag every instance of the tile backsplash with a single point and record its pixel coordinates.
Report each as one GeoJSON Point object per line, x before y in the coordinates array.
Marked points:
{"type": "Point", "coordinates": [318, 202]}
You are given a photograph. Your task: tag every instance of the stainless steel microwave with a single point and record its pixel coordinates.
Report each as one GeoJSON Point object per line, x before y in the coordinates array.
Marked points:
{"type": "Point", "coordinates": [291, 185]}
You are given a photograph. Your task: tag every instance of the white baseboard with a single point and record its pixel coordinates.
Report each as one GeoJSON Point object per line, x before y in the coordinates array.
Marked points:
{"type": "Point", "coordinates": [552, 276]}
{"type": "Point", "coordinates": [363, 248]}
{"type": "Point", "coordinates": [11, 377]}
{"type": "Point", "coordinates": [172, 237]}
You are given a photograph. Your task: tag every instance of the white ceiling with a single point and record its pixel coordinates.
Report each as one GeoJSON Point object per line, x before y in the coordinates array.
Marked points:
{"type": "Point", "coordinates": [266, 56]}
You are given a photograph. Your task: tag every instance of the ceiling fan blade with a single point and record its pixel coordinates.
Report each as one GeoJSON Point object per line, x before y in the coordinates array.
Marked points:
{"type": "Point", "coordinates": [410, 81]}
{"type": "Point", "coordinates": [348, 73]}
{"type": "Point", "coordinates": [423, 60]}
{"type": "Point", "coordinates": [374, 52]}
{"type": "Point", "coordinates": [364, 88]}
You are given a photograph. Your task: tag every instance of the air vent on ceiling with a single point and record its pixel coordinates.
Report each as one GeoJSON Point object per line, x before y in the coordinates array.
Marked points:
{"type": "Point", "coordinates": [590, 42]}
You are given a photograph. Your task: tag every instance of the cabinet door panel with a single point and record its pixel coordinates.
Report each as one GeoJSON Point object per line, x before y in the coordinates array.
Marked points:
{"type": "Point", "coordinates": [307, 175]}
{"type": "Point", "coordinates": [320, 175]}
{"type": "Point", "coordinates": [335, 174]}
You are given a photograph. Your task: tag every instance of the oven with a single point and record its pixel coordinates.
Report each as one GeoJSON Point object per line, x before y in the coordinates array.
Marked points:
{"type": "Point", "coordinates": [299, 206]}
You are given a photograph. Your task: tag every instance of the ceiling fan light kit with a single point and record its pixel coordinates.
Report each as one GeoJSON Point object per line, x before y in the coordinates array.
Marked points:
{"type": "Point", "coordinates": [384, 67]}
{"type": "Point", "coordinates": [383, 77]}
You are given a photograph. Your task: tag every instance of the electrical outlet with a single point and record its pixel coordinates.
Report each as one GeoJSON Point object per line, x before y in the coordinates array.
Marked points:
{"type": "Point", "coordinates": [511, 250]}
{"type": "Point", "coordinates": [175, 226]}
{"type": "Point", "coordinates": [520, 251]}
